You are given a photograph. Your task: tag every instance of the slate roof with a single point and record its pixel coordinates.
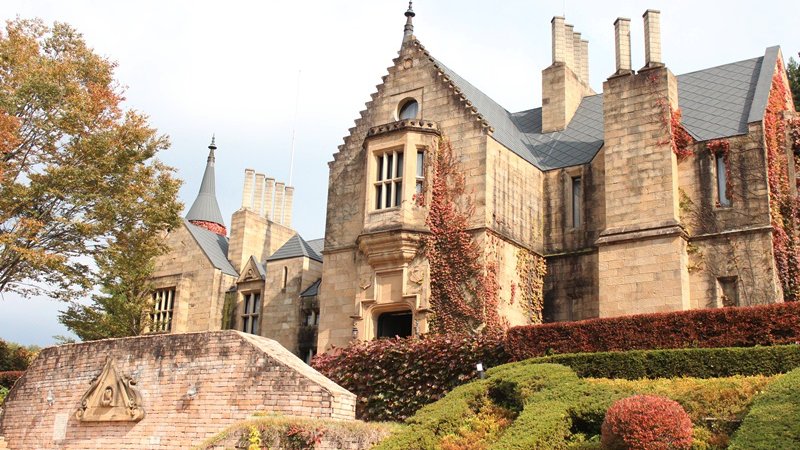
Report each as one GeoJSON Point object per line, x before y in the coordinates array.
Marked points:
{"type": "Point", "coordinates": [205, 206]}
{"type": "Point", "coordinates": [715, 103]}
{"type": "Point", "coordinates": [317, 244]}
{"type": "Point", "coordinates": [312, 290]}
{"type": "Point", "coordinates": [296, 246]}
{"type": "Point", "coordinates": [214, 246]}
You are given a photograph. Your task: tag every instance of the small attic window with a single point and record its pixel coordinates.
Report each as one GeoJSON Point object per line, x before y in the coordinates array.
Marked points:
{"type": "Point", "coordinates": [408, 109]}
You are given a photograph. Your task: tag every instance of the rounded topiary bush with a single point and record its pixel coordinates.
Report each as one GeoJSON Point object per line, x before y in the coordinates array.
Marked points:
{"type": "Point", "coordinates": [646, 422]}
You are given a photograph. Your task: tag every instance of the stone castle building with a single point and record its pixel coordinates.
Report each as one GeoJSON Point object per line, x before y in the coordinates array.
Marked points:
{"type": "Point", "coordinates": [621, 192]}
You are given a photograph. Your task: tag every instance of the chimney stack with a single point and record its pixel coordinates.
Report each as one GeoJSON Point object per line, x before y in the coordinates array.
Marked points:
{"type": "Point", "coordinates": [279, 190]}
{"type": "Point", "coordinates": [247, 191]}
{"type": "Point", "coordinates": [585, 61]}
{"type": "Point", "coordinates": [287, 206]}
{"type": "Point", "coordinates": [622, 41]}
{"type": "Point", "coordinates": [258, 198]}
{"type": "Point", "coordinates": [652, 38]}
{"type": "Point", "coordinates": [566, 81]}
{"type": "Point", "coordinates": [270, 191]}
{"type": "Point", "coordinates": [559, 50]}
{"type": "Point", "coordinates": [577, 66]}
{"type": "Point", "coordinates": [569, 41]}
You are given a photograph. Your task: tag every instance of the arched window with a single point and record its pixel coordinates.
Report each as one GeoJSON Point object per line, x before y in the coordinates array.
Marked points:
{"type": "Point", "coordinates": [408, 109]}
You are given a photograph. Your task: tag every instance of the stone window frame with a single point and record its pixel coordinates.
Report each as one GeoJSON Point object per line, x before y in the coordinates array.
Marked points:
{"type": "Point", "coordinates": [401, 108]}
{"type": "Point", "coordinates": [570, 175]}
{"type": "Point", "coordinates": [725, 286]}
{"type": "Point", "coordinates": [389, 172]}
{"type": "Point", "coordinates": [721, 183]}
{"type": "Point", "coordinates": [163, 309]}
{"type": "Point", "coordinates": [250, 316]}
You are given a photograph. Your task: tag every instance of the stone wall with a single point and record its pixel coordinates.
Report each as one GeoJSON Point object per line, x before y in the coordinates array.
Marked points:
{"type": "Point", "coordinates": [281, 311]}
{"type": "Point", "coordinates": [232, 375]}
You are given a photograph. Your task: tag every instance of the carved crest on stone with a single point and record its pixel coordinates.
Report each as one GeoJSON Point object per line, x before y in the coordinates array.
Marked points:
{"type": "Point", "coordinates": [416, 274]}
{"type": "Point", "coordinates": [111, 398]}
{"type": "Point", "coordinates": [365, 281]}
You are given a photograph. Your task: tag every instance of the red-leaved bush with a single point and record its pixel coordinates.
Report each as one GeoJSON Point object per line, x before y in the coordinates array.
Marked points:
{"type": "Point", "coordinates": [706, 328]}
{"type": "Point", "coordinates": [393, 378]}
{"type": "Point", "coordinates": [646, 422]}
{"type": "Point", "coordinates": [9, 377]}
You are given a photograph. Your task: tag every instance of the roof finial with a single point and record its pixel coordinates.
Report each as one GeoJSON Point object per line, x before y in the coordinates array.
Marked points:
{"type": "Point", "coordinates": [211, 148]}
{"type": "Point", "coordinates": [408, 31]}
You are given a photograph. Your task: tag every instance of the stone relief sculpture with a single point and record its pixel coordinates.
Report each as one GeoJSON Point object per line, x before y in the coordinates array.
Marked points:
{"type": "Point", "coordinates": [111, 398]}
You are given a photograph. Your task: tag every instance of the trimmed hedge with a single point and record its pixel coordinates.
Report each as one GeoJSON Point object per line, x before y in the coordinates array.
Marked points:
{"type": "Point", "coordinates": [707, 328]}
{"type": "Point", "coordinates": [685, 362]}
{"type": "Point", "coordinates": [774, 418]}
{"type": "Point", "coordinates": [393, 378]}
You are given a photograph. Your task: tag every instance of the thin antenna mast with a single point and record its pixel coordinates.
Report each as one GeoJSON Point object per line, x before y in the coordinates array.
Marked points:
{"type": "Point", "coordinates": [294, 126]}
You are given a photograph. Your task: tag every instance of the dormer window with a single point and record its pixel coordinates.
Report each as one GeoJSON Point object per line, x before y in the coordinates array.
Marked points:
{"type": "Point", "coordinates": [409, 109]}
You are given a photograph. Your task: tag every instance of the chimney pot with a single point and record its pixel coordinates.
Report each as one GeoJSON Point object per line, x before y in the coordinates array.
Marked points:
{"type": "Point", "coordinates": [268, 194]}
{"type": "Point", "coordinates": [258, 197]}
{"type": "Point", "coordinates": [247, 190]}
{"type": "Point", "coordinates": [585, 61]}
{"type": "Point", "coordinates": [576, 50]}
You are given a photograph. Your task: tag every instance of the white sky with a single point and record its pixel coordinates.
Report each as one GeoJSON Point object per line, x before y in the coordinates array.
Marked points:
{"type": "Point", "coordinates": [231, 68]}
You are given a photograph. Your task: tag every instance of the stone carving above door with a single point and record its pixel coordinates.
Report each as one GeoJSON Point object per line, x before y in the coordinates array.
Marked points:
{"type": "Point", "coordinates": [111, 398]}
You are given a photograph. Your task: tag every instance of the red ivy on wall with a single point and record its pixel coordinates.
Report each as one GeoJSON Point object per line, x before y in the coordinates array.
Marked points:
{"type": "Point", "coordinates": [721, 147]}
{"type": "Point", "coordinates": [784, 211]}
{"type": "Point", "coordinates": [681, 140]}
{"type": "Point", "coordinates": [463, 285]}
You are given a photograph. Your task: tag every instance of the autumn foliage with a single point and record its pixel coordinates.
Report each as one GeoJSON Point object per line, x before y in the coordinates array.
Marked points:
{"type": "Point", "coordinates": [463, 284]}
{"type": "Point", "coordinates": [646, 422]}
{"type": "Point", "coordinates": [708, 328]}
{"type": "Point", "coordinates": [784, 208]}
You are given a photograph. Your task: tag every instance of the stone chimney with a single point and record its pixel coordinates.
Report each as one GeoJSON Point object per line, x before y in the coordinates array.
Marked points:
{"type": "Point", "coordinates": [652, 38]}
{"type": "Point", "coordinates": [258, 197]}
{"type": "Point", "coordinates": [642, 213]}
{"type": "Point", "coordinates": [268, 195]}
{"type": "Point", "coordinates": [247, 190]}
{"type": "Point", "coordinates": [288, 198]}
{"type": "Point", "coordinates": [279, 191]}
{"type": "Point", "coordinates": [566, 81]}
{"type": "Point", "coordinates": [622, 45]}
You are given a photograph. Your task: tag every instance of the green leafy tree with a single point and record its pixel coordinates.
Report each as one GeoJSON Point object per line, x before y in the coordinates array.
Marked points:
{"type": "Point", "coordinates": [793, 73]}
{"type": "Point", "coordinates": [82, 197]}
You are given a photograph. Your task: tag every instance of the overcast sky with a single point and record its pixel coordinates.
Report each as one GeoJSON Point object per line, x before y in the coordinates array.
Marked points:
{"type": "Point", "coordinates": [232, 68]}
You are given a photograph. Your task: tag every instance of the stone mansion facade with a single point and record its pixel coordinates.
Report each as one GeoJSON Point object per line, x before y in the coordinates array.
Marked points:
{"type": "Point", "coordinates": [621, 192]}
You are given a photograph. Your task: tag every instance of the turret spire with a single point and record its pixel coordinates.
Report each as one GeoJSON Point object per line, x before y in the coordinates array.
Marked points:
{"type": "Point", "coordinates": [408, 31]}
{"type": "Point", "coordinates": [205, 210]}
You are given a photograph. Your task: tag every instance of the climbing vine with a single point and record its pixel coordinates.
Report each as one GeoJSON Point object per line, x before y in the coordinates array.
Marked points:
{"type": "Point", "coordinates": [531, 269]}
{"type": "Point", "coordinates": [721, 147]}
{"type": "Point", "coordinates": [784, 211]}
{"type": "Point", "coordinates": [464, 286]}
{"type": "Point", "coordinates": [680, 139]}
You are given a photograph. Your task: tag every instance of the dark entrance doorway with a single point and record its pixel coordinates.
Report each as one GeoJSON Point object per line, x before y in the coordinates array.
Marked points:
{"type": "Point", "coordinates": [394, 324]}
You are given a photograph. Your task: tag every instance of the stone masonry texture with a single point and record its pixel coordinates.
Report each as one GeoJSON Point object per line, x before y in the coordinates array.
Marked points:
{"type": "Point", "coordinates": [234, 374]}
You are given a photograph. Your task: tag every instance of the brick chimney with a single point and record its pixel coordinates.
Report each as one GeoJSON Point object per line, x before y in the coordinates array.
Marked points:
{"type": "Point", "coordinates": [566, 81]}
{"type": "Point", "coordinates": [652, 38]}
{"type": "Point", "coordinates": [622, 45]}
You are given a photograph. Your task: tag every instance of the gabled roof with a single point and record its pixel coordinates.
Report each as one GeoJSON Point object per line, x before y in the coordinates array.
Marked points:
{"type": "Point", "coordinates": [715, 102]}
{"type": "Point", "coordinates": [214, 246]}
{"type": "Point", "coordinates": [260, 271]}
{"type": "Point", "coordinates": [312, 290]}
{"type": "Point", "coordinates": [293, 248]}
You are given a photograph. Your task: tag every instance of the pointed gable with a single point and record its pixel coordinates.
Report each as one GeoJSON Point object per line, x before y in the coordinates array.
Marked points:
{"type": "Point", "coordinates": [253, 270]}
{"type": "Point", "coordinates": [295, 247]}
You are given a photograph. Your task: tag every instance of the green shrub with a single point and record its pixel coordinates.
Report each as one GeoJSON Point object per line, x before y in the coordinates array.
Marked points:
{"type": "Point", "coordinates": [774, 418]}
{"type": "Point", "coordinates": [646, 422]}
{"type": "Point", "coordinates": [690, 362]}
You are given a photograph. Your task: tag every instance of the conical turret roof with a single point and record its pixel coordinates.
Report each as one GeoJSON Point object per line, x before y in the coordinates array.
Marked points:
{"type": "Point", "coordinates": [205, 207]}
